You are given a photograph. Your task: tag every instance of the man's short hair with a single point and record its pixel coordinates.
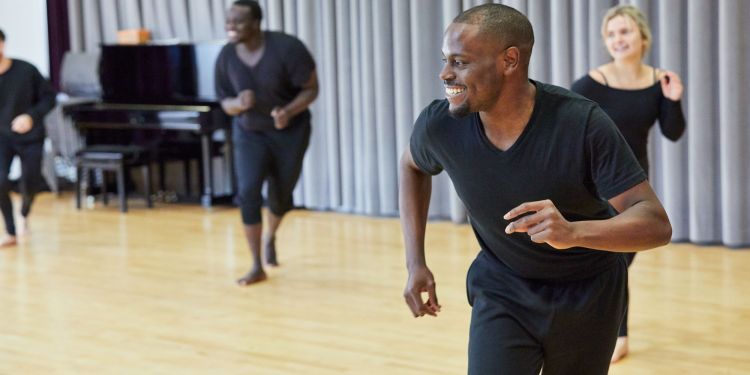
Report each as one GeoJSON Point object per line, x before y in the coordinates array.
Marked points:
{"type": "Point", "coordinates": [502, 23]}
{"type": "Point", "coordinates": [255, 12]}
{"type": "Point", "coordinates": [2, 36]}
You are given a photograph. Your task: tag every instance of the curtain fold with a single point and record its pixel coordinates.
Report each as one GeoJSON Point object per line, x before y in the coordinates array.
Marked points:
{"type": "Point", "coordinates": [343, 155]}
{"type": "Point", "coordinates": [379, 62]}
{"type": "Point", "coordinates": [672, 174]}
{"type": "Point", "coordinates": [733, 101]}
{"type": "Point", "coordinates": [705, 222]}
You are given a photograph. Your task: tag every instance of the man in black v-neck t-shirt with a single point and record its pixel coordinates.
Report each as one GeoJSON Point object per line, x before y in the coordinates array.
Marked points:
{"type": "Point", "coordinates": [554, 195]}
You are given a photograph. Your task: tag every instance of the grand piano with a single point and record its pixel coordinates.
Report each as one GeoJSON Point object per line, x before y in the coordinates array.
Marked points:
{"type": "Point", "coordinates": [161, 95]}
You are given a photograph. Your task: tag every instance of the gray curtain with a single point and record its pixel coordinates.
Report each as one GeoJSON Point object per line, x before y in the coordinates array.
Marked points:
{"type": "Point", "coordinates": [378, 63]}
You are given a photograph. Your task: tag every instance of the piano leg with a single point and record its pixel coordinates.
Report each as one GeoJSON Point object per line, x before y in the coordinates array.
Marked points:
{"type": "Point", "coordinates": [208, 175]}
{"type": "Point", "coordinates": [121, 192]}
{"type": "Point", "coordinates": [105, 193]}
{"type": "Point", "coordinates": [79, 185]}
{"type": "Point", "coordinates": [146, 170]}
{"type": "Point", "coordinates": [188, 180]}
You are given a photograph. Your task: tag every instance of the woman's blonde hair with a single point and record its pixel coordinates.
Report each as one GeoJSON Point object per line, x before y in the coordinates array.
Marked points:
{"type": "Point", "coordinates": [634, 14]}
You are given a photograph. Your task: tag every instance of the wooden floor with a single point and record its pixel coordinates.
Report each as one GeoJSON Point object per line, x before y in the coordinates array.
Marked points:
{"type": "Point", "coordinates": [153, 291]}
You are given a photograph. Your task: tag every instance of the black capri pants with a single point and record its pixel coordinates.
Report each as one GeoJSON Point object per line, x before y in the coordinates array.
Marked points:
{"type": "Point", "coordinates": [521, 326]}
{"type": "Point", "coordinates": [274, 156]}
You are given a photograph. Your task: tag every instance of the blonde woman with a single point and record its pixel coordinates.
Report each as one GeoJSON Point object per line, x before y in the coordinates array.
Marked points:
{"type": "Point", "coordinates": [634, 95]}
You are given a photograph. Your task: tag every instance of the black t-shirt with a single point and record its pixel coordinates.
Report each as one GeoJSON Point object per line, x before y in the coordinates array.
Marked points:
{"type": "Point", "coordinates": [24, 90]}
{"type": "Point", "coordinates": [635, 111]}
{"type": "Point", "coordinates": [570, 152]}
{"type": "Point", "coordinates": [276, 79]}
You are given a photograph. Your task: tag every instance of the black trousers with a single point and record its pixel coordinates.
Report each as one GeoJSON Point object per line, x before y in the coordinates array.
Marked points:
{"type": "Point", "coordinates": [521, 326]}
{"type": "Point", "coordinates": [31, 177]}
{"type": "Point", "coordinates": [629, 257]}
{"type": "Point", "coordinates": [274, 156]}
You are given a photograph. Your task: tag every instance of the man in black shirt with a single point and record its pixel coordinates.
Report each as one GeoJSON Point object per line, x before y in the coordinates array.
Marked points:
{"type": "Point", "coordinates": [25, 98]}
{"type": "Point", "coordinates": [267, 81]}
{"type": "Point", "coordinates": [541, 172]}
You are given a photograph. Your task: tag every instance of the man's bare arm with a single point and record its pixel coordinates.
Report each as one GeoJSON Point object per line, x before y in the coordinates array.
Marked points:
{"type": "Point", "coordinates": [414, 202]}
{"type": "Point", "coordinates": [641, 224]}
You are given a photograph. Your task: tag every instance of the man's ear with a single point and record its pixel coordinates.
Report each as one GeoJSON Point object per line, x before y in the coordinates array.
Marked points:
{"type": "Point", "coordinates": [511, 59]}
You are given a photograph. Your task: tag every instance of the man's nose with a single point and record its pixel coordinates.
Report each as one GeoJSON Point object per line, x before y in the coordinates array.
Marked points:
{"type": "Point", "coordinates": [446, 74]}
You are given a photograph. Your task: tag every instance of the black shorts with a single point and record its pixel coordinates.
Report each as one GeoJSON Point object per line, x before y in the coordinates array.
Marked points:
{"type": "Point", "coordinates": [519, 326]}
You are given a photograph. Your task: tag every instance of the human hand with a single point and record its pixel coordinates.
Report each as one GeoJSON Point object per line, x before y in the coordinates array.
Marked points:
{"type": "Point", "coordinates": [421, 281]}
{"type": "Point", "coordinates": [22, 124]}
{"type": "Point", "coordinates": [544, 223]}
{"type": "Point", "coordinates": [246, 99]}
{"type": "Point", "coordinates": [671, 86]}
{"type": "Point", "coordinates": [280, 118]}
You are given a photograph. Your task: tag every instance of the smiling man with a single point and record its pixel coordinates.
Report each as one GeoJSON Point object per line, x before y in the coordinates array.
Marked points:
{"type": "Point", "coordinates": [266, 80]}
{"type": "Point", "coordinates": [554, 194]}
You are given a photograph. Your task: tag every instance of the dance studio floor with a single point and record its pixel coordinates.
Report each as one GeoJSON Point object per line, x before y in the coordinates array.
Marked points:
{"type": "Point", "coordinates": [152, 291]}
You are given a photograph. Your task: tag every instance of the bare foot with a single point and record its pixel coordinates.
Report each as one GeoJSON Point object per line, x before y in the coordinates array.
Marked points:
{"type": "Point", "coordinates": [252, 277]}
{"type": "Point", "coordinates": [23, 226]}
{"type": "Point", "coordinates": [8, 241]}
{"type": "Point", "coordinates": [621, 349]}
{"type": "Point", "coordinates": [271, 252]}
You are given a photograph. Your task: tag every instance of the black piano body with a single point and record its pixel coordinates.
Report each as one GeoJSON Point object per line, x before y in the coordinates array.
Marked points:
{"type": "Point", "coordinates": [161, 95]}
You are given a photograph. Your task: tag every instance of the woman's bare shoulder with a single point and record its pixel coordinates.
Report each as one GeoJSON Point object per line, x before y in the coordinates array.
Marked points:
{"type": "Point", "coordinates": [598, 74]}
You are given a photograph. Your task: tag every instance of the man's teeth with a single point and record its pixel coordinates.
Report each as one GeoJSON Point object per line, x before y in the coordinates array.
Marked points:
{"type": "Point", "coordinates": [454, 91]}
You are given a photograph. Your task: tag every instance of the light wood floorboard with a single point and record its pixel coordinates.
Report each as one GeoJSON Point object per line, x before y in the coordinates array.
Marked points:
{"type": "Point", "coordinates": [152, 291]}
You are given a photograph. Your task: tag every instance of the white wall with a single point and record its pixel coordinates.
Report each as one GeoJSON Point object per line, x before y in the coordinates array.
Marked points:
{"type": "Point", "coordinates": [25, 25]}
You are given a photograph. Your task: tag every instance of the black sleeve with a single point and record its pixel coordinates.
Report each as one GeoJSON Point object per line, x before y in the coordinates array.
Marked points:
{"type": "Point", "coordinates": [420, 145]}
{"type": "Point", "coordinates": [298, 62]}
{"type": "Point", "coordinates": [222, 85]}
{"type": "Point", "coordinates": [614, 168]}
{"type": "Point", "coordinates": [44, 97]}
{"type": "Point", "coordinates": [671, 119]}
{"type": "Point", "coordinates": [579, 87]}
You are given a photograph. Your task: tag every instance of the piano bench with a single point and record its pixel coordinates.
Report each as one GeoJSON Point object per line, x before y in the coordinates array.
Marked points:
{"type": "Point", "coordinates": [113, 158]}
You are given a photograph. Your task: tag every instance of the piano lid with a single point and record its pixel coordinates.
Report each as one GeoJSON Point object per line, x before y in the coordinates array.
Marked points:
{"type": "Point", "coordinates": [158, 73]}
